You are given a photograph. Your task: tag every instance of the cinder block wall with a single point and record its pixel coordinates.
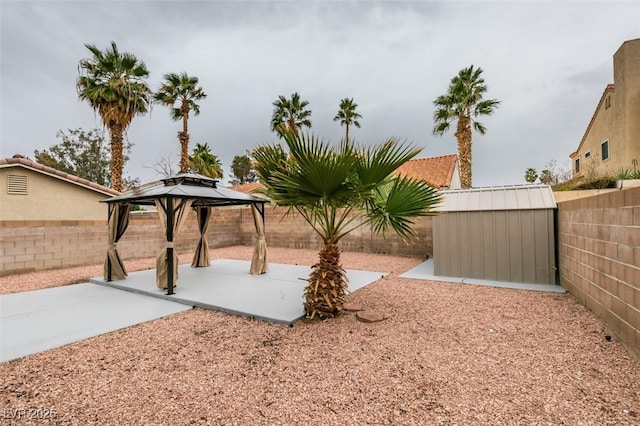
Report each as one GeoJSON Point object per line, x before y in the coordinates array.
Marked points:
{"type": "Point", "coordinates": [599, 239]}
{"type": "Point", "coordinates": [27, 246]}
{"type": "Point", "coordinates": [294, 232]}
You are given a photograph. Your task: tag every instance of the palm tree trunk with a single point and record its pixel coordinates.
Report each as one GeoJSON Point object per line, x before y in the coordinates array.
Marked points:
{"type": "Point", "coordinates": [184, 139]}
{"type": "Point", "coordinates": [463, 135]}
{"type": "Point", "coordinates": [116, 132]}
{"type": "Point", "coordinates": [325, 293]}
{"type": "Point", "coordinates": [347, 132]}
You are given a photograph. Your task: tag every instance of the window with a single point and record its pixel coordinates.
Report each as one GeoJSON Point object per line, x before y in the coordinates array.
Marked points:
{"type": "Point", "coordinates": [605, 150]}
{"type": "Point", "coordinates": [577, 165]}
{"type": "Point", "coordinates": [17, 184]}
{"type": "Point", "coordinates": [587, 154]}
{"type": "Point", "coordinates": [607, 102]}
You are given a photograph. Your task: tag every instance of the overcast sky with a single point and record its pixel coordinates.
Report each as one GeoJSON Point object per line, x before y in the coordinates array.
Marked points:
{"type": "Point", "coordinates": [547, 62]}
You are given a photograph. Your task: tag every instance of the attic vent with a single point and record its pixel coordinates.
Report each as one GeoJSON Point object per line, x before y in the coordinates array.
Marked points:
{"type": "Point", "coordinates": [17, 184]}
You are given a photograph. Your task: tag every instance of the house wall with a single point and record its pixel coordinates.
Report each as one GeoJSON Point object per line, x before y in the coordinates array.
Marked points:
{"type": "Point", "coordinates": [48, 199]}
{"type": "Point", "coordinates": [614, 119]}
{"type": "Point", "coordinates": [599, 243]}
{"type": "Point", "coordinates": [455, 179]}
{"type": "Point", "coordinates": [626, 75]}
{"type": "Point", "coordinates": [505, 245]}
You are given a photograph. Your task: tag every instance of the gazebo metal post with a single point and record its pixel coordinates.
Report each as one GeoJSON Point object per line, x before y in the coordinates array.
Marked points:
{"type": "Point", "coordinates": [170, 265]}
{"type": "Point", "coordinates": [260, 208]}
{"type": "Point", "coordinates": [110, 212]}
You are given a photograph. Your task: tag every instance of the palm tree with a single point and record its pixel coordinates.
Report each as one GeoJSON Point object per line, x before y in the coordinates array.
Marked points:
{"type": "Point", "coordinates": [242, 170]}
{"type": "Point", "coordinates": [113, 83]}
{"type": "Point", "coordinates": [184, 90]}
{"type": "Point", "coordinates": [463, 102]}
{"type": "Point", "coordinates": [347, 115]}
{"type": "Point", "coordinates": [204, 162]}
{"type": "Point", "coordinates": [290, 115]}
{"type": "Point", "coordinates": [337, 189]}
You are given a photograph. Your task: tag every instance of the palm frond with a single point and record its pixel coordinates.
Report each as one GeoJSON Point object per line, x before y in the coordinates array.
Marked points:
{"type": "Point", "coordinates": [398, 202]}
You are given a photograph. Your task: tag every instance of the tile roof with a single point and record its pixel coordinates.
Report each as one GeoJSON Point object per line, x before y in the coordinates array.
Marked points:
{"type": "Point", "coordinates": [41, 168]}
{"type": "Point", "coordinates": [247, 188]}
{"type": "Point", "coordinates": [436, 171]}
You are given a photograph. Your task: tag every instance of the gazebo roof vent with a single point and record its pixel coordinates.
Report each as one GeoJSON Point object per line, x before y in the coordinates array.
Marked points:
{"type": "Point", "coordinates": [193, 179]}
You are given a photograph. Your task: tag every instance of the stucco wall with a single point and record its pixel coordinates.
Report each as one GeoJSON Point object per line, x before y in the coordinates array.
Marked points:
{"type": "Point", "coordinates": [615, 118]}
{"type": "Point", "coordinates": [49, 198]}
{"type": "Point", "coordinates": [599, 243]}
{"type": "Point", "coordinates": [626, 74]}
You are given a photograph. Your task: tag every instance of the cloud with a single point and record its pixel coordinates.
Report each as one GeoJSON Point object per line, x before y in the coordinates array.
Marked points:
{"type": "Point", "coordinates": [547, 62]}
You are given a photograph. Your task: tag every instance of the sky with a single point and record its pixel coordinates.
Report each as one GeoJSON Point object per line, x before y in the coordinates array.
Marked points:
{"type": "Point", "coordinates": [548, 62]}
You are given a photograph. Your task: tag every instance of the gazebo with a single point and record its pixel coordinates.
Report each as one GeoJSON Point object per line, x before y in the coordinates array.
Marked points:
{"type": "Point", "coordinates": [173, 197]}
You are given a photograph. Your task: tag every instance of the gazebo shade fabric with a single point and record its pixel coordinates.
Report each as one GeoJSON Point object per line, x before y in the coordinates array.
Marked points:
{"type": "Point", "coordinates": [170, 195]}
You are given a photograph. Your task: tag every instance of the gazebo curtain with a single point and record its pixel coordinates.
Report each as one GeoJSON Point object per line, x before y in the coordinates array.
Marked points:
{"type": "Point", "coordinates": [201, 256]}
{"type": "Point", "coordinates": [117, 222]}
{"type": "Point", "coordinates": [259, 262]}
{"type": "Point", "coordinates": [179, 209]}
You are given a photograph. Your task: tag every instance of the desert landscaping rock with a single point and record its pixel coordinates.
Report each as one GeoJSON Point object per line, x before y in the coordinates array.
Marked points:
{"type": "Point", "coordinates": [370, 316]}
{"type": "Point", "coordinates": [432, 361]}
{"type": "Point", "coordinates": [352, 307]}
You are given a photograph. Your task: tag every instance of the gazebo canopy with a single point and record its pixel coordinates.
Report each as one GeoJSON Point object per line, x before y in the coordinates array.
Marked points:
{"type": "Point", "coordinates": [202, 190]}
{"type": "Point", "coordinates": [173, 197]}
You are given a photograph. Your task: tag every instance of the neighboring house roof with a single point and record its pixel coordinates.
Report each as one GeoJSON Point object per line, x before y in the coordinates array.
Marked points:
{"type": "Point", "coordinates": [436, 171]}
{"type": "Point", "coordinates": [515, 197]}
{"type": "Point", "coordinates": [247, 188]}
{"type": "Point", "coordinates": [50, 171]}
{"type": "Point", "coordinates": [609, 89]}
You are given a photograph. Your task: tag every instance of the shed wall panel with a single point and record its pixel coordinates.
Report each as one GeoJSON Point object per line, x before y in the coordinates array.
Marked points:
{"type": "Point", "coordinates": [513, 245]}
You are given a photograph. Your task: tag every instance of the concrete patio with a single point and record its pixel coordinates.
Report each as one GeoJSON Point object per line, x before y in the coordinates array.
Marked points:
{"type": "Point", "coordinates": [40, 320]}
{"type": "Point", "coordinates": [227, 286]}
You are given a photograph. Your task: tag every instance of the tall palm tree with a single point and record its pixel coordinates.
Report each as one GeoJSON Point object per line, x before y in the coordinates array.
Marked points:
{"type": "Point", "coordinates": [463, 102]}
{"type": "Point", "coordinates": [204, 162]}
{"type": "Point", "coordinates": [347, 115]}
{"type": "Point", "coordinates": [183, 90]}
{"type": "Point", "coordinates": [337, 189]}
{"type": "Point", "coordinates": [290, 115]}
{"type": "Point", "coordinates": [113, 83]}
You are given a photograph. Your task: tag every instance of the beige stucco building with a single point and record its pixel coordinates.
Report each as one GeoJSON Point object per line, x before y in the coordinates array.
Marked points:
{"type": "Point", "coordinates": [31, 191]}
{"type": "Point", "coordinates": [612, 139]}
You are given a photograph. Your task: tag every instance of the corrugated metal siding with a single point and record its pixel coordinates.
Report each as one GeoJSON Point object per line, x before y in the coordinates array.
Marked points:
{"type": "Point", "coordinates": [501, 245]}
{"type": "Point", "coordinates": [520, 197]}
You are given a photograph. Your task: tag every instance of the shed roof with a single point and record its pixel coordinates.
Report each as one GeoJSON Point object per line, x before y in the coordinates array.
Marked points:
{"type": "Point", "coordinates": [203, 190]}
{"type": "Point", "coordinates": [516, 197]}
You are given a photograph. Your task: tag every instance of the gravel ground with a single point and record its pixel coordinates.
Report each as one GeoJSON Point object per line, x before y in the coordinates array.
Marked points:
{"type": "Point", "coordinates": [446, 354]}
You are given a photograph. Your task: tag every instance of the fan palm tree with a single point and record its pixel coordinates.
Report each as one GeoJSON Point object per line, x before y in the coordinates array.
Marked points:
{"type": "Point", "coordinates": [113, 83]}
{"type": "Point", "coordinates": [204, 162]}
{"type": "Point", "coordinates": [337, 189]}
{"type": "Point", "coordinates": [463, 102]}
{"type": "Point", "coordinates": [290, 114]}
{"type": "Point", "coordinates": [242, 170]}
{"type": "Point", "coordinates": [347, 115]}
{"type": "Point", "coordinates": [183, 90]}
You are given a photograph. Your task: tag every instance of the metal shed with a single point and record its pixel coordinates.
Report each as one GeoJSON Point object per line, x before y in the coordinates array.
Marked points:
{"type": "Point", "coordinates": [497, 233]}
